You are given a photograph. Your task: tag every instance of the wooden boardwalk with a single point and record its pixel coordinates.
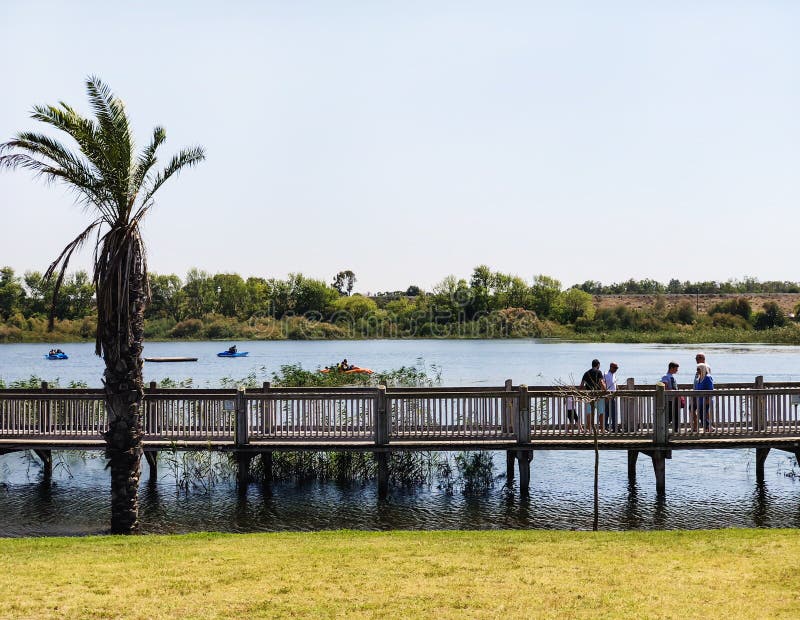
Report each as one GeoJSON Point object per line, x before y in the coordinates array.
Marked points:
{"type": "Point", "coordinates": [514, 418]}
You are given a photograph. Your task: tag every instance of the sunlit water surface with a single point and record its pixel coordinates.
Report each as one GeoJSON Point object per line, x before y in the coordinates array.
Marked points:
{"type": "Point", "coordinates": [705, 489]}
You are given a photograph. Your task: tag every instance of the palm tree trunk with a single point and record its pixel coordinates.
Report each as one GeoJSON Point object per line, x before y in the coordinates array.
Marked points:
{"type": "Point", "coordinates": [124, 389]}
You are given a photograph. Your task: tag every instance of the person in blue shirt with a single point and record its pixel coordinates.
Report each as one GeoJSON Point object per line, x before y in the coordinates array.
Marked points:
{"type": "Point", "coordinates": [702, 404]}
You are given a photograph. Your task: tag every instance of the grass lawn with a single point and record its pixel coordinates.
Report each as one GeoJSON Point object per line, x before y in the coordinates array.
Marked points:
{"type": "Point", "coordinates": [514, 574]}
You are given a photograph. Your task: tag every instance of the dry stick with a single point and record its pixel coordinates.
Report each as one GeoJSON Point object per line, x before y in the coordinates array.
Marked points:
{"type": "Point", "coordinates": [596, 482]}
{"type": "Point", "coordinates": [586, 397]}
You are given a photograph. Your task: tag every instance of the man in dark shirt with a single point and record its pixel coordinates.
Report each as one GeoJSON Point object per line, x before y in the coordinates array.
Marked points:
{"type": "Point", "coordinates": [593, 380]}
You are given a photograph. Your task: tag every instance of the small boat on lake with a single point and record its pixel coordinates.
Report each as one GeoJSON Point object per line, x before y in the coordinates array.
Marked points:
{"type": "Point", "coordinates": [170, 359]}
{"type": "Point", "coordinates": [355, 370]}
{"type": "Point", "coordinates": [232, 354]}
{"type": "Point", "coordinates": [56, 355]}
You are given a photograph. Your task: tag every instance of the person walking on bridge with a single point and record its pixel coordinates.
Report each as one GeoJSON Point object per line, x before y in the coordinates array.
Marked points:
{"type": "Point", "coordinates": [593, 381]}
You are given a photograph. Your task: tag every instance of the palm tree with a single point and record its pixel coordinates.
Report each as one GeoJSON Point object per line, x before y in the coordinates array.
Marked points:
{"type": "Point", "coordinates": [117, 187]}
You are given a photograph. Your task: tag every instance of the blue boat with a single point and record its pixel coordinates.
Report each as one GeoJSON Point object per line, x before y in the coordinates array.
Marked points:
{"type": "Point", "coordinates": [229, 354]}
{"type": "Point", "coordinates": [56, 356]}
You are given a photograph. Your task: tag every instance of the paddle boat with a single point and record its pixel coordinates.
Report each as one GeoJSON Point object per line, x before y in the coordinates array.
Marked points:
{"type": "Point", "coordinates": [232, 354]}
{"type": "Point", "coordinates": [353, 370]}
{"type": "Point", "coordinates": [56, 355]}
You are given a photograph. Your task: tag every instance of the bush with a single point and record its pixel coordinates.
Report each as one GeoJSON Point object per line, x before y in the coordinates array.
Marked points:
{"type": "Point", "coordinates": [739, 307]}
{"type": "Point", "coordinates": [724, 319]}
{"type": "Point", "coordinates": [684, 313]}
{"type": "Point", "coordinates": [772, 316]}
{"type": "Point", "coordinates": [190, 328]}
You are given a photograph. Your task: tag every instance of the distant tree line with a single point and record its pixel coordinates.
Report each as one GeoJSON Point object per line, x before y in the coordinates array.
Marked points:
{"type": "Point", "coordinates": [487, 304]}
{"type": "Point", "coordinates": [647, 286]}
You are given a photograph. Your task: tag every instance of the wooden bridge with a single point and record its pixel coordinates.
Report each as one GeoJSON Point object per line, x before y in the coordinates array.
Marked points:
{"type": "Point", "coordinates": [517, 419]}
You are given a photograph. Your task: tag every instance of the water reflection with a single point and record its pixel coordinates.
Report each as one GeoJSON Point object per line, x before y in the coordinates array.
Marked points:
{"type": "Point", "coordinates": [704, 490]}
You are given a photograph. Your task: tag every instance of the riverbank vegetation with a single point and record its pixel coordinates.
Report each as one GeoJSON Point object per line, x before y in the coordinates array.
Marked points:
{"type": "Point", "coordinates": [487, 305]}
{"type": "Point", "coordinates": [533, 574]}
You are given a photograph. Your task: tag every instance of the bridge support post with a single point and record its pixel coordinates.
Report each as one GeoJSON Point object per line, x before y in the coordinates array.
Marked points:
{"type": "Point", "coordinates": [633, 456]}
{"type": "Point", "coordinates": [761, 456]}
{"type": "Point", "coordinates": [243, 470]}
{"type": "Point", "coordinates": [523, 428]}
{"type": "Point", "coordinates": [383, 474]}
{"type": "Point", "coordinates": [46, 457]}
{"type": "Point", "coordinates": [152, 464]}
{"type": "Point", "coordinates": [382, 431]}
{"type": "Point", "coordinates": [524, 457]}
{"type": "Point", "coordinates": [510, 457]}
{"type": "Point", "coordinates": [659, 468]}
{"type": "Point", "coordinates": [266, 467]}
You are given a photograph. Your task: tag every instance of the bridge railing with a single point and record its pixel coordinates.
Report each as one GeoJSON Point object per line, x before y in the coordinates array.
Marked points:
{"type": "Point", "coordinates": [189, 414]}
{"type": "Point", "coordinates": [397, 415]}
{"type": "Point", "coordinates": [332, 415]}
{"type": "Point", "coordinates": [52, 413]}
{"type": "Point", "coordinates": [562, 412]}
{"type": "Point", "coordinates": [451, 414]}
{"type": "Point", "coordinates": [770, 411]}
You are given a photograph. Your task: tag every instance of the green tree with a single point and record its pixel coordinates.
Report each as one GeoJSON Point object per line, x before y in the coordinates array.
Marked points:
{"type": "Point", "coordinates": [118, 186]}
{"type": "Point", "coordinates": [545, 292]}
{"type": "Point", "coordinates": [231, 294]}
{"type": "Point", "coordinates": [344, 282]}
{"type": "Point", "coordinates": [201, 294]}
{"type": "Point", "coordinates": [12, 293]}
{"type": "Point", "coordinates": [167, 298]}
{"type": "Point", "coordinates": [40, 290]}
{"type": "Point", "coordinates": [575, 304]}
{"type": "Point", "coordinates": [311, 296]}
{"type": "Point", "coordinates": [256, 298]}
{"type": "Point", "coordinates": [481, 284]}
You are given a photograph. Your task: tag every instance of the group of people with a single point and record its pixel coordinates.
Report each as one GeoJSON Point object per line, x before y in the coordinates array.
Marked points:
{"type": "Point", "coordinates": [700, 406]}
{"type": "Point", "coordinates": [605, 407]}
{"type": "Point", "coordinates": [344, 365]}
{"type": "Point", "coordinates": [55, 352]}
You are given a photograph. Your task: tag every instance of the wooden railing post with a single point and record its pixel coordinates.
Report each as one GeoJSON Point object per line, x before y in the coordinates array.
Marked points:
{"type": "Point", "coordinates": [44, 413]}
{"type": "Point", "coordinates": [382, 420]}
{"type": "Point", "coordinates": [151, 424]}
{"type": "Point", "coordinates": [508, 428]}
{"type": "Point", "coordinates": [508, 409]}
{"type": "Point", "coordinates": [627, 407]}
{"type": "Point", "coordinates": [241, 431]}
{"type": "Point", "coordinates": [759, 407]}
{"type": "Point", "coordinates": [523, 415]}
{"type": "Point", "coordinates": [524, 457]}
{"type": "Point", "coordinates": [660, 416]}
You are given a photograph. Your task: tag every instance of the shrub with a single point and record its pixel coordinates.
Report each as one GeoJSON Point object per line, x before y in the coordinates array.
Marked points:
{"type": "Point", "coordinates": [739, 307]}
{"type": "Point", "coordinates": [771, 316]}
{"type": "Point", "coordinates": [190, 328]}
{"type": "Point", "coordinates": [724, 319]}
{"type": "Point", "coordinates": [683, 313]}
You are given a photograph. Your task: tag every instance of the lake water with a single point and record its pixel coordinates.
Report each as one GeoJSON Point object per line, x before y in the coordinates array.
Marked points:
{"type": "Point", "coordinates": [705, 489]}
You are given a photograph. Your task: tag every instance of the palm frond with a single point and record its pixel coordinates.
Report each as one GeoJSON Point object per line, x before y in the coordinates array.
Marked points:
{"type": "Point", "coordinates": [185, 159]}
{"type": "Point", "coordinates": [146, 161]}
{"type": "Point", "coordinates": [84, 131]}
{"type": "Point", "coordinates": [63, 260]}
{"type": "Point", "coordinates": [115, 134]}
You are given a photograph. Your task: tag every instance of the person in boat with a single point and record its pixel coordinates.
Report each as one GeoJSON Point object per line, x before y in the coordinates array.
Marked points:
{"type": "Point", "coordinates": [343, 365]}
{"type": "Point", "coordinates": [52, 352]}
{"type": "Point", "coordinates": [232, 350]}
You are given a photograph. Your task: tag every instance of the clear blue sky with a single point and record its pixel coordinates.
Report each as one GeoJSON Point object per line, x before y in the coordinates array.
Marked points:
{"type": "Point", "coordinates": [410, 140]}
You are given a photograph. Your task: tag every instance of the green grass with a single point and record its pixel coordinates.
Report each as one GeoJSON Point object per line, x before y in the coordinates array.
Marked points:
{"type": "Point", "coordinates": [515, 574]}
